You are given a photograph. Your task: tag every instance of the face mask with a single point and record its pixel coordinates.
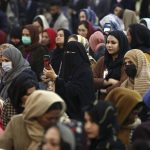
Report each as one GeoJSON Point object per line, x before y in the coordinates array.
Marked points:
{"type": "Point", "coordinates": [7, 66]}
{"type": "Point", "coordinates": [131, 70]}
{"type": "Point", "coordinates": [26, 40]}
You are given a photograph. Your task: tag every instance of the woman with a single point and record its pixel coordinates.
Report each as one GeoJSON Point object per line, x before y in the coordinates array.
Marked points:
{"type": "Point", "coordinates": [48, 39]}
{"type": "Point", "coordinates": [137, 69]}
{"type": "Point", "coordinates": [25, 131]}
{"type": "Point", "coordinates": [145, 22]}
{"type": "Point", "coordinates": [85, 29]}
{"type": "Point", "coordinates": [109, 71]}
{"type": "Point", "coordinates": [89, 15]}
{"type": "Point", "coordinates": [75, 84]}
{"type": "Point", "coordinates": [101, 127]}
{"type": "Point", "coordinates": [97, 44]}
{"type": "Point", "coordinates": [25, 85]}
{"type": "Point", "coordinates": [139, 38]}
{"type": "Point", "coordinates": [61, 40]}
{"type": "Point", "coordinates": [13, 66]}
{"type": "Point", "coordinates": [55, 140]}
{"type": "Point", "coordinates": [128, 105]}
{"type": "Point", "coordinates": [31, 50]}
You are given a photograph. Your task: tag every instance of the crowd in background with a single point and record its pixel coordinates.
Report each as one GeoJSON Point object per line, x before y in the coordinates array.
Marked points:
{"type": "Point", "coordinates": [75, 75]}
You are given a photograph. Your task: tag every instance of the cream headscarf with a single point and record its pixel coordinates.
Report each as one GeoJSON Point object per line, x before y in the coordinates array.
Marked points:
{"type": "Point", "coordinates": [36, 105]}
{"type": "Point", "coordinates": [142, 79]}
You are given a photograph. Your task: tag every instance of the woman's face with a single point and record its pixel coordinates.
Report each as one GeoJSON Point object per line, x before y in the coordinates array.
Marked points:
{"type": "Point", "coordinates": [37, 24]}
{"type": "Point", "coordinates": [52, 139]}
{"type": "Point", "coordinates": [45, 39]}
{"type": "Point", "coordinates": [49, 118]}
{"type": "Point", "coordinates": [82, 16]}
{"type": "Point", "coordinates": [82, 30]}
{"type": "Point", "coordinates": [26, 32]}
{"type": "Point", "coordinates": [129, 37]}
{"type": "Point", "coordinates": [112, 45]}
{"type": "Point", "coordinates": [28, 93]}
{"type": "Point", "coordinates": [91, 128]}
{"type": "Point", "coordinates": [60, 39]}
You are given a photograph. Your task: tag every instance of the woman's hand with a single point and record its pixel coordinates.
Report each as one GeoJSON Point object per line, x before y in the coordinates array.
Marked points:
{"type": "Point", "coordinates": [112, 81]}
{"type": "Point", "coordinates": [50, 73]}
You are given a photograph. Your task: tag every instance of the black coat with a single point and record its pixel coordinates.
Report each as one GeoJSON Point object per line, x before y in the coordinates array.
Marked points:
{"type": "Point", "coordinates": [75, 83]}
{"type": "Point", "coordinates": [35, 59]}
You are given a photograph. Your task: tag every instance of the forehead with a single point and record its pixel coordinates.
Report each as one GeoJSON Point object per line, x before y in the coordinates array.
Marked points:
{"type": "Point", "coordinates": [25, 31]}
{"type": "Point", "coordinates": [82, 26]}
{"type": "Point", "coordinates": [82, 13]}
{"type": "Point", "coordinates": [60, 32]}
{"type": "Point", "coordinates": [112, 38]}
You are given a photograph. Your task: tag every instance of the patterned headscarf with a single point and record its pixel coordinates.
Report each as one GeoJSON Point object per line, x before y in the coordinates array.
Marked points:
{"type": "Point", "coordinates": [142, 78]}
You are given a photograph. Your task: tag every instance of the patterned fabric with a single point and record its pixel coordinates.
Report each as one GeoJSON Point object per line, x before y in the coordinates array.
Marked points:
{"type": "Point", "coordinates": [7, 112]}
{"type": "Point", "coordinates": [142, 79]}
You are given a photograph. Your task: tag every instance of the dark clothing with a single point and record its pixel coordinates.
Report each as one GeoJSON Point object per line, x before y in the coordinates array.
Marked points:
{"type": "Point", "coordinates": [140, 37]}
{"type": "Point", "coordinates": [103, 114]}
{"type": "Point", "coordinates": [19, 87]}
{"type": "Point", "coordinates": [3, 22]}
{"type": "Point", "coordinates": [35, 59]}
{"type": "Point", "coordinates": [56, 59]}
{"type": "Point", "coordinates": [75, 84]}
{"type": "Point", "coordinates": [58, 53]}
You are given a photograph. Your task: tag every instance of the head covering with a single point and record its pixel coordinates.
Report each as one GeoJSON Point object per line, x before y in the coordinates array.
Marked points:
{"type": "Point", "coordinates": [142, 132]}
{"type": "Point", "coordinates": [142, 78]}
{"type": "Point", "coordinates": [89, 27]}
{"type": "Point", "coordinates": [19, 64]}
{"type": "Point", "coordinates": [45, 24]}
{"type": "Point", "coordinates": [115, 22]}
{"type": "Point", "coordinates": [52, 36]}
{"type": "Point", "coordinates": [114, 67]}
{"type": "Point", "coordinates": [146, 21]}
{"type": "Point", "coordinates": [3, 37]}
{"type": "Point", "coordinates": [75, 55]}
{"type": "Point", "coordinates": [34, 33]}
{"type": "Point", "coordinates": [90, 16]}
{"type": "Point", "coordinates": [96, 40]}
{"type": "Point", "coordinates": [140, 37]}
{"type": "Point", "coordinates": [84, 41]}
{"type": "Point", "coordinates": [105, 116]}
{"type": "Point", "coordinates": [125, 101]}
{"type": "Point", "coordinates": [67, 33]}
{"type": "Point", "coordinates": [15, 32]}
{"type": "Point", "coordinates": [37, 104]}
{"type": "Point", "coordinates": [22, 83]}
{"type": "Point", "coordinates": [146, 98]}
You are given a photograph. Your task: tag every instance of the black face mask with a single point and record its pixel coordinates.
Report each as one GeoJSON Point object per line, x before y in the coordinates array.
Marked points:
{"type": "Point", "coordinates": [131, 70]}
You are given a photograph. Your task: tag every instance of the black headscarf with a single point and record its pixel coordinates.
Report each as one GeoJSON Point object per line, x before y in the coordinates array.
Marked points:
{"type": "Point", "coordinates": [105, 116]}
{"type": "Point", "coordinates": [114, 67]}
{"type": "Point", "coordinates": [140, 37]}
{"type": "Point", "coordinates": [59, 52]}
{"type": "Point", "coordinates": [75, 57]}
{"type": "Point", "coordinates": [27, 79]}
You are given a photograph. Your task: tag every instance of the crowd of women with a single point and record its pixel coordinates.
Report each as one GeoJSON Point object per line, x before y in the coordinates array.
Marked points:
{"type": "Point", "coordinates": [82, 90]}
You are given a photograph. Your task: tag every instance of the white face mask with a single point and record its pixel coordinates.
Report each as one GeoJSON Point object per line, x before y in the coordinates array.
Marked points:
{"type": "Point", "coordinates": [7, 66]}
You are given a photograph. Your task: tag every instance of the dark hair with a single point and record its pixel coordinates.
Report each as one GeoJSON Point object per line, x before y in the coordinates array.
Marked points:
{"type": "Point", "coordinates": [85, 23]}
{"type": "Point", "coordinates": [38, 19]}
{"type": "Point", "coordinates": [63, 145]}
{"type": "Point", "coordinates": [55, 106]}
{"type": "Point", "coordinates": [55, 3]}
{"type": "Point", "coordinates": [73, 36]}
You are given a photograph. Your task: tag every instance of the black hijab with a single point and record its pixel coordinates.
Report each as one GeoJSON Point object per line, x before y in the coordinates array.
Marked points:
{"type": "Point", "coordinates": [26, 80]}
{"type": "Point", "coordinates": [114, 67]}
{"type": "Point", "coordinates": [59, 52]}
{"type": "Point", "coordinates": [105, 116]}
{"type": "Point", "coordinates": [140, 37]}
{"type": "Point", "coordinates": [75, 57]}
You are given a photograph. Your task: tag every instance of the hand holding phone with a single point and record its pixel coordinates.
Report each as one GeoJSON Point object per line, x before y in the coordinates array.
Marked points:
{"type": "Point", "coordinates": [47, 62]}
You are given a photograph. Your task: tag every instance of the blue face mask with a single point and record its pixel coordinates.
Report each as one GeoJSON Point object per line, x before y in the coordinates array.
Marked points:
{"type": "Point", "coordinates": [26, 40]}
